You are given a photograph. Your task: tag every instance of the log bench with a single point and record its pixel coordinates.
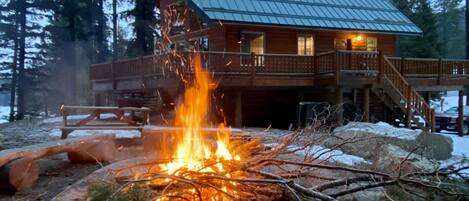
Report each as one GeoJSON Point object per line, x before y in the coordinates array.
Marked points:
{"type": "Point", "coordinates": [19, 170]}
{"type": "Point", "coordinates": [123, 121]}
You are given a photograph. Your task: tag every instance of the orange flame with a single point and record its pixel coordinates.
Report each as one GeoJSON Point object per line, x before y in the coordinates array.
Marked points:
{"type": "Point", "coordinates": [196, 145]}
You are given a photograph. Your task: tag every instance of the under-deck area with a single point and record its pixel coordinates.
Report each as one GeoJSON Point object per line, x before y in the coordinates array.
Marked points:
{"type": "Point", "coordinates": [399, 84]}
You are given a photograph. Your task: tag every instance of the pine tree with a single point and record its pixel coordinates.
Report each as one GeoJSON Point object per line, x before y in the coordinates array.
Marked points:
{"type": "Point", "coordinates": [144, 25]}
{"type": "Point", "coordinates": [421, 13]}
{"type": "Point", "coordinates": [449, 18]}
{"type": "Point", "coordinates": [21, 15]}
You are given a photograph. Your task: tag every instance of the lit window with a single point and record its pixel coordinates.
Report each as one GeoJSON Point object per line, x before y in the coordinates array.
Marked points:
{"type": "Point", "coordinates": [372, 44]}
{"type": "Point", "coordinates": [305, 45]}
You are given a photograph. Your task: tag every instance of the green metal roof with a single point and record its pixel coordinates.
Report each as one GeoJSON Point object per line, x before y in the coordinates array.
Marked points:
{"type": "Point", "coordinates": [359, 15]}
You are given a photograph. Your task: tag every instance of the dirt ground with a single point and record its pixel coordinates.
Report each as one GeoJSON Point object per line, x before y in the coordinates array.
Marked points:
{"type": "Point", "coordinates": [56, 174]}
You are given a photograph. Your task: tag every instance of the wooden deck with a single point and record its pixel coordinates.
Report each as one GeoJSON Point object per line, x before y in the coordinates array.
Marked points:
{"type": "Point", "coordinates": [400, 78]}
{"type": "Point", "coordinates": [244, 70]}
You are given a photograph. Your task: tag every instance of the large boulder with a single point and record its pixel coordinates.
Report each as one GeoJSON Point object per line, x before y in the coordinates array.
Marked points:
{"type": "Point", "coordinates": [392, 158]}
{"type": "Point", "coordinates": [366, 139]}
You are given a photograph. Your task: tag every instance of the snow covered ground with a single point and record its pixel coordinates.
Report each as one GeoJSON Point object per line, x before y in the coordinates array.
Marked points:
{"type": "Point", "coordinates": [4, 113]}
{"type": "Point", "coordinates": [325, 154]}
{"type": "Point", "coordinates": [382, 129]}
{"type": "Point", "coordinates": [83, 133]}
{"type": "Point", "coordinates": [451, 99]}
{"type": "Point", "coordinates": [74, 117]}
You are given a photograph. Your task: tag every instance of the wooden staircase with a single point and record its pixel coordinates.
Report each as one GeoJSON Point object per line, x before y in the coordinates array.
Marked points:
{"type": "Point", "coordinates": [397, 93]}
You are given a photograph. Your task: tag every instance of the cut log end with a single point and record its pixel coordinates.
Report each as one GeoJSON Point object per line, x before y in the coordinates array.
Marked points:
{"type": "Point", "coordinates": [19, 175]}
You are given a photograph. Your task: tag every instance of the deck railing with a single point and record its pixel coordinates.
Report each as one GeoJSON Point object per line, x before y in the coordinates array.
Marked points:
{"type": "Point", "coordinates": [436, 68]}
{"type": "Point", "coordinates": [394, 71]}
{"type": "Point", "coordinates": [278, 64]}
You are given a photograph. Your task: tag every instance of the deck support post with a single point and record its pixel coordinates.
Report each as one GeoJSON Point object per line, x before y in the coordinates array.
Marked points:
{"type": "Point", "coordinates": [366, 104]}
{"type": "Point", "coordinates": [355, 94]}
{"type": "Point", "coordinates": [428, 96]}
{"type": "Point", "coordinates": [460, 122]}
{"type": "Point", "coordinates": [408, 113]}
{"type": "Point", "coordinates": [238, 120]}
{"type": "Point", "coordinates": [339, 102]}
{"type": "Point", "coordinates": [433, 122]}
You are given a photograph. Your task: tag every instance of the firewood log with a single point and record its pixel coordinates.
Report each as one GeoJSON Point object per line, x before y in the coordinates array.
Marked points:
{"type": "Point", "coordinates": [18, 175]}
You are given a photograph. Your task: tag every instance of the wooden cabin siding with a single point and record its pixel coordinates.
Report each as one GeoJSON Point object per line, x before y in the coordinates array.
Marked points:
{"type": "Point", "coordinates": [284, 40]}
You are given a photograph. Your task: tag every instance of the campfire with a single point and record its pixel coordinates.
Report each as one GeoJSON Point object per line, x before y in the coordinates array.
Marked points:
{"type": "Point", "coordinates": [196, 163]}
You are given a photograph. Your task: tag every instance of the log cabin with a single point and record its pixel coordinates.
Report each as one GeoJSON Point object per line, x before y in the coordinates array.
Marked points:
{"type": "Point", "coordinates": [270, 57]}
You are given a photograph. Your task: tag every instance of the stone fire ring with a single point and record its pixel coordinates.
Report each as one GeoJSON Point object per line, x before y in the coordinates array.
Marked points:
{"type": "Point", "coordinates": [153, 145]}
{"type": "Point", "coordinates": [79, 190]}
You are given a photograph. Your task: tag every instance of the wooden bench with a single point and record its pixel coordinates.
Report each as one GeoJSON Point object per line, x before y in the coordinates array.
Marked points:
{"type": "Point", "coordinates": [19, 170]}
{"type": "Point", "coordinates": [125, 118]}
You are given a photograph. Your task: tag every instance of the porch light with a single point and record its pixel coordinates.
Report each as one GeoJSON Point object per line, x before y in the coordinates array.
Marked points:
{"type": "Point", "coordinates": [359, 37]}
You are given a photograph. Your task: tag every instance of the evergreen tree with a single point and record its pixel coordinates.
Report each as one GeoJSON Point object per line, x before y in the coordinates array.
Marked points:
{"type": "Point", "coordinates": [449, 18]}
{"type": "Point", "coordinates": [22, 15]}
{"type": "Point", "coordinates": [144, 25]}
{"type": "Point", "coordinates": [421, 13]}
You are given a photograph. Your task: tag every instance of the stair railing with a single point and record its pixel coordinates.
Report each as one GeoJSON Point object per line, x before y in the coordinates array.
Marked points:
{"type": "Point", "coordinates": [414, 102]}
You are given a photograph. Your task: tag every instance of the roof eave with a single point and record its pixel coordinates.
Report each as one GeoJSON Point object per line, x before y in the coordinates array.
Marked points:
{"type": "Point", "coordinates": [318, 28]}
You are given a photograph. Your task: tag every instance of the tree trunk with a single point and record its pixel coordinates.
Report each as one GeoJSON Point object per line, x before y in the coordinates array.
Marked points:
{"type": "Point", "coordinates": [101, 38]}
{"type": "Point", "coordinates": [14, 74]}
{"type": "Point", "coordinates": [22, 56]}
{"type": "Point", "coordinates": [114, 30]}
{"type": "Point", "coordinates": [72, 73]}
{"type": "Point", "coordinates": [467, 28]}
{"type": "Point", "coordinates": [467, 44]}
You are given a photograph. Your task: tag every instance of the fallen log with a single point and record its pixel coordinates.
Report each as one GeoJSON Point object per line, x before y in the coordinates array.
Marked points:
{"type": "Point", "coordinates": [19, 170]}
{"type": "Point", "coordinates": [18, 175]}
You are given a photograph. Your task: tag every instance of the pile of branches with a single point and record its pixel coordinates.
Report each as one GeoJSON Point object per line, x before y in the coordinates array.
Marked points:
{"type": "Point", "coordinates": [273, 171]}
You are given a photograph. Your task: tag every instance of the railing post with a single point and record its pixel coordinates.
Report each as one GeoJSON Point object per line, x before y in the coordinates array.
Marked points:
{"type": "Point", "coordinates": [253, 67]}
{"type": "Point", "coordinates": [337, 66]}
{"type": "Point", "coordinates": [315, 64]}
{"type": "Point", "coordinates": [380, 66]}
{"type": "Point", "coordinates": [402, 70]}
{"type": "Point", "coordinates": [440, 70]}
{"type": "Point", "coordinates": [142, 73]}
{"type": "Point", "coordinates": [408, 117]}
{"type": "Point", "coordinates": [114, 84]}
{"type": "Point", "coordinates": [433, 121]}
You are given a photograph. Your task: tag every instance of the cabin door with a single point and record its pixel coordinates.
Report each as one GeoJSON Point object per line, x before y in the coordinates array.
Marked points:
{"type": "Point", "coordinates": [252, 42]}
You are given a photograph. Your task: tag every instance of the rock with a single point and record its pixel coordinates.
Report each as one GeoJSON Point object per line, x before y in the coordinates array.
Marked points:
{"type": "Point", "coordinates": [372, 137]}
{"type": "Point", "coordinates": [390, 158]}
{"type": "Point", "coordinates": [436, 146]}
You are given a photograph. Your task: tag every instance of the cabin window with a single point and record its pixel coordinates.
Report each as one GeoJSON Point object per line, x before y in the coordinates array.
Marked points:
{"type": "Point", "coordinates": [359, 43]}
{"type": "Point", "coordinates": [305, 45]}
{"type": "Point", "coordinates": [372, 44]}
{"type": "Point", "coordinates": [252, 42]}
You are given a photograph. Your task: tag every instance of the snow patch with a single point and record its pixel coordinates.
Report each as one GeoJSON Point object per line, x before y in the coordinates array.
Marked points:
{"type": "Point", "coordinates": [4, 113]}
{"type": "Point", "coordinates": [325, 154]}
{"type": "Point", "coordinates": [84, 133]}
{"type": "Point", "coordinates": [382, 129]}
{"type": "Point", "coordinates": [460, 145]}
{"type": "Point", "coordinates": [74, 117]}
